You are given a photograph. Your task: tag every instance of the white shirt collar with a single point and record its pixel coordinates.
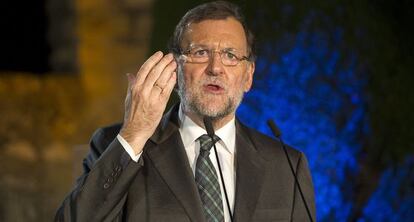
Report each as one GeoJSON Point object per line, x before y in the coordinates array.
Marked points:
{"type": "Point", "coordinates": [190, 132]}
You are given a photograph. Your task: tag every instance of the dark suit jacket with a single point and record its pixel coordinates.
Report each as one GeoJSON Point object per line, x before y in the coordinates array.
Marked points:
{"type": "Point", "coordinates": [161, 186]}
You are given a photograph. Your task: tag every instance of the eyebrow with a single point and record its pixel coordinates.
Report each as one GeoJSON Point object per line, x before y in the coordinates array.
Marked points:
{"type": "Point", "coordinates": [192, 46]}
{"type": "Point", "coordinates": [205, 46]}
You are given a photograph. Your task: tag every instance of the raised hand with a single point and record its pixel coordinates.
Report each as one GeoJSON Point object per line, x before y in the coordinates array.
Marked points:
{"type": "Point", "coordinates": [147, 97]}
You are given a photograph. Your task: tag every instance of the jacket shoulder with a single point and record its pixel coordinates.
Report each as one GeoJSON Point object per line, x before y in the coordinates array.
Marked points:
{"type": "Point", "coordinates": [269, 147]}
{"type": "Point", "coordinates": [103, 136]}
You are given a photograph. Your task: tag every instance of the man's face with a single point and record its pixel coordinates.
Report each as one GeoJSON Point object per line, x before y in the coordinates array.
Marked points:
{"type": "Point", "coordinates": [212, 88]}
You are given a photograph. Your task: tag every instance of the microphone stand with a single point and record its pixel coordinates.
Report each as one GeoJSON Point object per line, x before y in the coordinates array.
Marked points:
{"type": "Point", "coordinates": [277, 133]}
{"type": "Point", "coordinates": [210, 131]}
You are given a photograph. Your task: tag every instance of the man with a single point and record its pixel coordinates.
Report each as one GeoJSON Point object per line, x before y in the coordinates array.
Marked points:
{"type": "Point", "coordinates": [160, 168]}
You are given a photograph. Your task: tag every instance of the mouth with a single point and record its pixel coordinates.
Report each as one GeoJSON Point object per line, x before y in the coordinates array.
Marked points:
{"type": "Point", "coordinates": [213, 88]}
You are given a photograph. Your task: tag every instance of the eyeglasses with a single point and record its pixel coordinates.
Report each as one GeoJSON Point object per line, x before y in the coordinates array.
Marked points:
{"type": "Point", "coordinates": [201, 55]}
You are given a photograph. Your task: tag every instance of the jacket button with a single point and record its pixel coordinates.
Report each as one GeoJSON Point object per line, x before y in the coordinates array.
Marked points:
{"type": "Point", "coordinates": [106, 186]}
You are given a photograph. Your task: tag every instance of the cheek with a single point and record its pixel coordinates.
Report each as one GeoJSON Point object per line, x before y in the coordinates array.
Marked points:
{"type": "Point", "coordinates": [237, 86]}
{"type": "Point", "coordinates": [187, 75]}
{"type": "Point", "coordinates": [243, 82]}
{"type": "Point", "coordinates": [191, 75]}
{"type": "Point", "coordinates": [247, 81]}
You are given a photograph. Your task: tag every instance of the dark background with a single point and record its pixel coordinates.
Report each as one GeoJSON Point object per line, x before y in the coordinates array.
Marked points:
{"type": "Point", "coordinates": [335, 75]}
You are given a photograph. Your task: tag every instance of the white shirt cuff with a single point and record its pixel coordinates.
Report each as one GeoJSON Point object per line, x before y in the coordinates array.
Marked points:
{"type": "Point", "coordinates": [128, 148]}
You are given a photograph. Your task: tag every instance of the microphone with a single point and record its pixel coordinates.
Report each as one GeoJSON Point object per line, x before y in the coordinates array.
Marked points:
{"type": "Point", "coordinates": [278, 135]}
{"type": "Point", "coordinates": [210, 132]}
{"type": "Point", "coordinates": [209, 126]}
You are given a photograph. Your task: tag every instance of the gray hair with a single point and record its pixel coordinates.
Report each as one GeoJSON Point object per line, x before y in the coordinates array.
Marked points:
{"type": "Point", "coordinates": [212, 10]}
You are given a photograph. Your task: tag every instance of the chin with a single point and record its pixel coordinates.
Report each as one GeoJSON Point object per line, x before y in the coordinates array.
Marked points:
{"type": "Point", "coordinates": [213, 109]}
{"type": "Point", "coordinates": [206, 104]}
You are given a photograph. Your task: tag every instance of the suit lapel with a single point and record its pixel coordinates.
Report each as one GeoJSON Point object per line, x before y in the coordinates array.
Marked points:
{"type": "Point", "coordinates": [250, 171]}
{"type": "Point", "coordinates": [170, 160]}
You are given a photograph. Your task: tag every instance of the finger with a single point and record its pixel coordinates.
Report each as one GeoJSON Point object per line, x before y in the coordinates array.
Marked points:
{"type": "Point", "coordinates": [147, 67]}
{"type": "Point", "coordinates": [166, 92]}
{"type": "Point", "coordinates": [162, 80]}
{"type": "Point", "coordinates": [131, 80]}
{"type": "Point", "coordinates": [156, 71]}
{"type": "Point", "coordinates": [166, 74]}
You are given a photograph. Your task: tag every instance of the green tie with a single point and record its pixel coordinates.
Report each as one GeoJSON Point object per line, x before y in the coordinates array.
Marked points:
{"type": "Point", "coordinates": [207, 181]}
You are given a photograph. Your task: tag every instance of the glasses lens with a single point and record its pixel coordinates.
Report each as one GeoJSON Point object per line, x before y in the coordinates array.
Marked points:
{"type": "Point", "coordinates": [202, 55]}
{"type": "Point", "coordinates": [229, 58]}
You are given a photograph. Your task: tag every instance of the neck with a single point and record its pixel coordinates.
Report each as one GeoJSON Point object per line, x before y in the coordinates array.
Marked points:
{"type": "Point", "coordinates": [217, 123]}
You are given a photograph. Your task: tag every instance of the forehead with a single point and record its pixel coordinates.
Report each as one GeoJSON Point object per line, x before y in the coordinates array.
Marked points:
{"type": "Point", "coordinates": [222, 33]}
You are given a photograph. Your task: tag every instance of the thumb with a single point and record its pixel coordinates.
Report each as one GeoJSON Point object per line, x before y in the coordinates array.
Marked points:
{"type": "Point", "coordinates": [131, 80]}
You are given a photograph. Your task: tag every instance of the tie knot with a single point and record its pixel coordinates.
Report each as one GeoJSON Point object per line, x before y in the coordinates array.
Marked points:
{"type": "Point", "coordinates": [206, 143]}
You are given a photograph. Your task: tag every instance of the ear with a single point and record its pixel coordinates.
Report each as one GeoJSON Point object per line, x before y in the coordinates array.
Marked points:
{"type": "Point", "coordinates": [249, 76]}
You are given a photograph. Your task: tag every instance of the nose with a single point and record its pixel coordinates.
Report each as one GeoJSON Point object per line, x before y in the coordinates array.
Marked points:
{"type": "Point", "coordinates": [215, 66]}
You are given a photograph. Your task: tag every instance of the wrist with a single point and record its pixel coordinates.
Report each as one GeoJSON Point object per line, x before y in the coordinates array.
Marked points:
{"type": "Point", "coordinates": [135, 141]}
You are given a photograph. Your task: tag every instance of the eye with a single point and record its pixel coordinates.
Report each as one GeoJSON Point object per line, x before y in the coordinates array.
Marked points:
{"type": "Point", "coordinates": [229, 56]}
{"type": "Point", "coordinates": [200, 53]}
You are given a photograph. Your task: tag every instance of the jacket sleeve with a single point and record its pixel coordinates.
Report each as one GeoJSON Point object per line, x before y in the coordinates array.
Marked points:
{"type": "Point", "coordinates": [101, 191]}
{"type": "Point", "coordinates": [303, 174]}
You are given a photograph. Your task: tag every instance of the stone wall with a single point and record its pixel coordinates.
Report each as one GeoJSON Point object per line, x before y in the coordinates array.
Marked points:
{"type": "Point", "coordinates": [47, 120]}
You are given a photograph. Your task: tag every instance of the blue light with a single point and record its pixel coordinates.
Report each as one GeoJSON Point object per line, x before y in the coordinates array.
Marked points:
{"type": "Point", "coordinates": [315, 97]}
{"type": "Point", "coordinates": [313, 84]}
{"type": "Point", "coordinates": [394, 198]}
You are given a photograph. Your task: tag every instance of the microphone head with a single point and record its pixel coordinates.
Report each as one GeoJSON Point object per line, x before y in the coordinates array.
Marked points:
{"type": "Point", "coordinates": [274, 128]}
{"type": "Point", "coordinates": [209, 126]}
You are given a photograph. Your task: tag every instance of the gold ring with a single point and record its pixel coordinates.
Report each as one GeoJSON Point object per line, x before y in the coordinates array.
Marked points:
{"type": "Point", "coordinates": [158, 86]}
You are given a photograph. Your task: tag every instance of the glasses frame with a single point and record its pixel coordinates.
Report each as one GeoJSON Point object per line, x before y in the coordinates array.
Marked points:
{"type": "Point", "coordinates": [221, 52]}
